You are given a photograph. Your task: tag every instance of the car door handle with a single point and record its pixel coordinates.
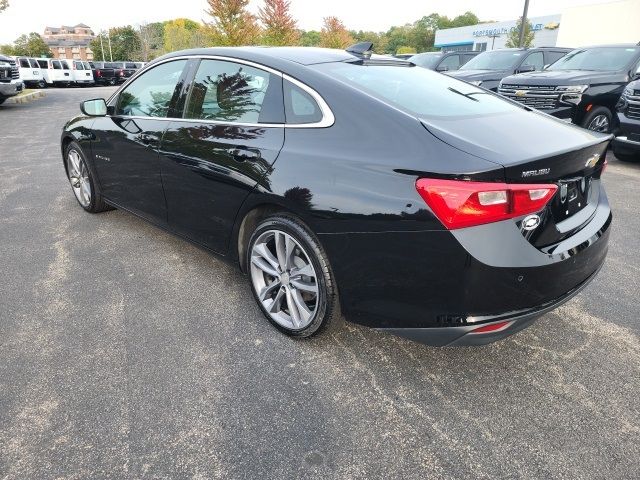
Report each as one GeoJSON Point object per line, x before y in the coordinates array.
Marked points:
{"type": "Point", "coordinates": [244, 154]}
{"type": "Point", "coordinates": [145, 138]}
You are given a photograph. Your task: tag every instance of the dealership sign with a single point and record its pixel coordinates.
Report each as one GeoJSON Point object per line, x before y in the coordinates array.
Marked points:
{"type": "Point", "coordinates": [496, 32]}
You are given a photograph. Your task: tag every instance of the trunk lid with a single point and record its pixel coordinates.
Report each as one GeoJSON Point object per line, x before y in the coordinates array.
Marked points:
{"type": "Point", "coordinates": [534, 148]}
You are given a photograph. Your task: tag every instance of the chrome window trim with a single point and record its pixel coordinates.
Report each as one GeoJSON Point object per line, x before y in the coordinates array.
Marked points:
{"type": "Point", "coordinates": [328, 119]}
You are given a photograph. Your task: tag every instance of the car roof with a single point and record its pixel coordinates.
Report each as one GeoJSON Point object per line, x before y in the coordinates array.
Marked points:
{"type": "Point", "coordinates": [301, 55]}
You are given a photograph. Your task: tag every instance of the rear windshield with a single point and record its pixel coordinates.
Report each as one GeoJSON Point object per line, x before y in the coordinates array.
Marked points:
{"type": "Point", "coordinates": [108, 65]}
{"type": "Point", "coordinates": [427, 60]}
{"type": "Point", "coordinates": [495, 60]}
{"type": "Point", "coordinates": [599, 58]}
{"type": "Point", "coordinates": [421, 92]}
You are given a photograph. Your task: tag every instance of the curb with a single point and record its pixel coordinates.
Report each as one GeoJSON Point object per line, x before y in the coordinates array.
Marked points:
{"type": "Point", "coordinates": [27, 98]}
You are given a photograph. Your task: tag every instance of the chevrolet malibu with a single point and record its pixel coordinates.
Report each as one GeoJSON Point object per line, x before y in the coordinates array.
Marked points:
{"type": "Point", "coordinates": [348, 184]}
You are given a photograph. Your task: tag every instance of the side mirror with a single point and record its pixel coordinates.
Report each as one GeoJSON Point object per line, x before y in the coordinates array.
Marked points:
{"type": "Point", "coordinates": [442, 68]}
{"type": "Point", "coordinates": [94, 108]}
{"type": "Point", "coordinates": [526, 69]}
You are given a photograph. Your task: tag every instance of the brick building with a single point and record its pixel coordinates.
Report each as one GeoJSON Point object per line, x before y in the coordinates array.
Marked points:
{"type": "Point", "coordinates": [70, 42]}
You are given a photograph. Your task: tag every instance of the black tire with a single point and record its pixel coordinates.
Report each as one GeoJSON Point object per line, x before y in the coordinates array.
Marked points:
{"type": "Point", "coordinates": [593, 115]}
{"type": "Point", "coordinates": [327, 314]}
{"type": "Point", "coordinates": [97, 203]}
{"type": "Point", "coordinates": [627, 157]}
{"type": "Point", "coordinates": [2, 100]}
{"type": "Point", "coordinates": [42, 84]}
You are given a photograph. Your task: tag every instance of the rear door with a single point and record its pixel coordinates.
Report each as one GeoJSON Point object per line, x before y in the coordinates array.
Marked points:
{"type": "Point", "coordinates": [230, 134]}
{"type": "Point", "coordinates": [127, 140]}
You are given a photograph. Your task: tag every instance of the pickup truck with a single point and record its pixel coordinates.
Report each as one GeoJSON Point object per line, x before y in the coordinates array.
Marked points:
{"type": "Point", "coordinates": [10, 83]}
{"type": "Point", "coordinates": [104, 73]}
{"type": "Point", "coordinates": [124, 70]}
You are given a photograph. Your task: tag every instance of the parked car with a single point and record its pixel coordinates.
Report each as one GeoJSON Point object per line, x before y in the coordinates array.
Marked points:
{"type": "Point", "coordinates": [442, 61]}
{"type": "Point", "coordinates": [488, 68]}
{"type": "Point", "coordinates": [80, 75]}
{"type": "Point", "coordinates": [104, 73]}
{"type": "Point", "coordinates": [10, 83]}
{"type": "Point", "coordinates": [626, 146]}
{"type": "Point", "coordinates": [582, 87]}
{"type": "Point", "coordinates": [52, 72]}
{"type": "Point", "coordinates": [405, 199]}
{"type": "Point", "coordinates": [30, 72]}
{"type": "Point", "coordinates": [124, 70]}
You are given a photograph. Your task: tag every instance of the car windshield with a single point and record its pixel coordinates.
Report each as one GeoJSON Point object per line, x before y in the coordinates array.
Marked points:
{"type": "Point", "coordinates": [600, 58]}
{"type": "Point", "coordinates": [418, 91]}
{"type": "Point", "coordinates": [427, 60]}
{"type": "Point", "coordinates": [495, 60]}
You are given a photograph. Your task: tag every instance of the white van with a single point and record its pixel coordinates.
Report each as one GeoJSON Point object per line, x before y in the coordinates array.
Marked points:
{"type": "Point", "coordinates": [79, 74]}
{"type": "Point", "coordinates": [52, 72]}
{"type": "Point", "coordinates": [30, 72]}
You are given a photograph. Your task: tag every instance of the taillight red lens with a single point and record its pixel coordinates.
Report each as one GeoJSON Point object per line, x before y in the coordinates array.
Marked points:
{"type": "Point", "coordinates": [460, 204]}
{"type": "Point", "coordinates": [494, 327]}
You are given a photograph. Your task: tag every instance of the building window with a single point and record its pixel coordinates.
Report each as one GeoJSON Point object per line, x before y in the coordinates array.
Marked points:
{"type": "Point", "coordinates": [76, 56]}
{"type": "Point", "coordinates": [61, 50]}
{"type": "Point", "coordinates": [75, 50]}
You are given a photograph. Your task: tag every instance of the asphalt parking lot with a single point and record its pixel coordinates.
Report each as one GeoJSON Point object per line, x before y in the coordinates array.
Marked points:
{"type": "Point", "coordinates": [128, 353]}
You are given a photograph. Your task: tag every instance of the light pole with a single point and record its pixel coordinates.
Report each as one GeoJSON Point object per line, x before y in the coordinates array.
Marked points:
{"type": "Point", "coordinates": [102, 46]}
{"type": "Point", "coordinates": [110, 53]}
{"type": "Point", "coordinates": [523, 23]}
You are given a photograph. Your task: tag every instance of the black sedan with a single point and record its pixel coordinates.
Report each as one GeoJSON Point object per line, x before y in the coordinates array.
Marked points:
{"type": "Point", "coordinates": [345, 183]}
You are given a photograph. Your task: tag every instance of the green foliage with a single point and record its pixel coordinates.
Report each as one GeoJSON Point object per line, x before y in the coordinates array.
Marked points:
{"type": "Point", "coordinates": [151, 40]}
{"type": "Point", "coordinates": [309, 38]}
{"type": "Point", "coordinates": [125, 45]}
{"type": "Point", "coordinates": [513, 37]}
{"type": "Point", "coordinates": [7, 49]}
{"type": "Point", "coordinates": [405, 49]}
{"type": "Point", "coordinates": [379, 39]}
{"type": "Point", "coordinates": [232, 23]}
{"type": "Point", "coordinates": [334, 34]}
{"type": "Point", "coordinates": [279, 25]}
{"type": "Point", "coordinates": [31, 45]}
{"type": "Point", "coordinates": [183, 33]}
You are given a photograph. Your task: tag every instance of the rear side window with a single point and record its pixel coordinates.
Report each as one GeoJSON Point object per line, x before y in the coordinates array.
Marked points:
{"type": "Point", "coordinates": [78, 65]}
{"type": "Point", "coordinates": [300, 107]}
{"type": "Point", "coordinates": [65, 65]}
{"type": "Point", "coordinates": [151, 93]}
{"type": "Point", "coordinates": [452, 62]}
{"type": "Point", "coordinates": [56, 65]}
{"type": "Point", "coordinates": [24, 63]}
{"type": "Point", "coordinates": [418, 91]}
{"type": "Point", "coordinates": [33, 63]}
{"type": "Point", "coordinates": [232, 92]}
{"type": "Point", "coordinates": [43, 63]}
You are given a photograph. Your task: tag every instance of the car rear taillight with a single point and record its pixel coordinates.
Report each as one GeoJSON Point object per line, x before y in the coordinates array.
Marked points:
{"type": "Point", "coordinates": [460, 204]}
{"type": "Point", "coordinates": [491, 328]}
{"type": "Point", "coordinates": [98, 73]}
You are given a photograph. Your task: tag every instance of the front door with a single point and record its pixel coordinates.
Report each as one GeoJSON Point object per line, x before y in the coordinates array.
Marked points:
{"type": "Point", "coordinates": [230, 134]}
{"type": "Point", "coordinates": [126, 146]}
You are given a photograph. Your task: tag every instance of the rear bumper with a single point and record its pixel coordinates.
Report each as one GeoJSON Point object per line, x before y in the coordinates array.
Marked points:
{"type": "Point", "coordinates": [465, 336]}
{"type": "Point", "coordinates": [437, 286]}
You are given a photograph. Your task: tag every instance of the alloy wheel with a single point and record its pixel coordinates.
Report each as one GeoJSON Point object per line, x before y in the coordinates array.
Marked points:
{"type": "Point", "coordinates": [599, 123]}
{"type": "Point", "coordinates": [284, 279]}
{"type": "Point", "coordinates": [79, 178]}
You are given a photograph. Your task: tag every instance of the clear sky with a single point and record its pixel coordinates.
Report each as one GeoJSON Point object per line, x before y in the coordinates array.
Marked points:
{"type": "Point", "coordinates": [25, 16]}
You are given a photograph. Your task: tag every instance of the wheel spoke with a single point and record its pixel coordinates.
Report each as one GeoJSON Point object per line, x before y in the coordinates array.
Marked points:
{"type": "Point", "coordinates": [86, 190]}
{"type": "Point", "coordinates": [276, 305]}
{"type": "Point", "coordinates": [301, 307]}
{"type": "Point", "coordinates": [293, 308]}
{"type": "Point", "coordinates": [281, 250]}
{"type": "Point", "coordinates": [290, 248]}
{"type": "Point", "coordinates": [262, 250]}
{"type": "Point", "coordinates": [266, 291]}
{"type": "Point", "coordinates": [307, 270]}
{"type": "Point", "coordinates": [305, 286]}
{"type": "Point", "coordinates": [263, 264]}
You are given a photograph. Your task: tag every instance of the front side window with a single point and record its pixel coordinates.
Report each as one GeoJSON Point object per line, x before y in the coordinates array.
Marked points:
{"type": "Point", "coordinates": [535, 60]}
{"type": "Point", "coordinates": [150, 94]}
{"type": "Point", "coordinates": [56, 65]}
{"type": "Point", "coordinates": [452, 62]}
{"type": "Point", "coordinates": [229, 92]}
{"type": "Point", "coordinates": [419, 91]}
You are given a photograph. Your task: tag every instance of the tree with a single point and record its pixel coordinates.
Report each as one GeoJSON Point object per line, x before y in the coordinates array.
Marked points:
{"type": "Point", "coordinates": [310, 38]}
{"type": "Point", "coordinates": [182, 33]}
{"type": "Point", "coordinates": [279, 26]}
{"type": "Point", "coordinates": [151, 40]}
{"type": "Point", "coordinates": [125, 45]}
{"type": "Point", "coordinates": [7, 49]}
{"type": "Point", "coordinates": [4, 4]}
{"type": "Point", "coordinates": [379, 40]}
{"type": "Point", "coordinates": [31, 45]}
{"type": "Point", "coordinates": [405, 50]}
{"type": "Point", "coordinates": [334, 34]}
{"type": "Point", "coordinates": [513, 37]}
{"type": "Point", "coordinates": [232, 23]}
